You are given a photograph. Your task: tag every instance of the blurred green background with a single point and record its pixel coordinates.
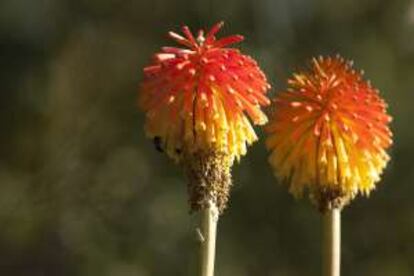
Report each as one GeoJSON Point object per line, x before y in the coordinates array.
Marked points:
{"type": "Point", "coordinates": [83, 192]}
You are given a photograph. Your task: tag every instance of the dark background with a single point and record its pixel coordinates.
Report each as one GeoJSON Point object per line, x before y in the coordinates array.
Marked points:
{"type": "Point", "coordinates": [83, 192]}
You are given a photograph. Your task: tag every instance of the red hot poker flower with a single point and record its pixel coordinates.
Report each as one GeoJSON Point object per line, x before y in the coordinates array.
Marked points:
{"type": "Point", "coordinates": [200, 96]}
{"type": "Point", "coordinates": [329, 133]}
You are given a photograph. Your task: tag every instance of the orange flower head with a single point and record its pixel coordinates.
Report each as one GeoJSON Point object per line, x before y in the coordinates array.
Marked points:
{"type": "Point", "coordinates": [201, 96]}
{"type": "Point", "coordinates": [329, 133]}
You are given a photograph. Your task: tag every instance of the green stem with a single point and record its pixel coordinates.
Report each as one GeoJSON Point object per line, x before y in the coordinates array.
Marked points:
{"type": "Point", "coordinates": [209, 218]}
{"type": "Point", "coordinates": [332, 242]}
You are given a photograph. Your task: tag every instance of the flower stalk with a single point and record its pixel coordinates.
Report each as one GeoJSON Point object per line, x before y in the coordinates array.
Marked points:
{"type": "Point", "coordinates": [209, 219]}
{"type": "Point", "coordinates": [328, 137]}
{"type": "Point", "coordinates": [201, 101]}
{"type": "Point", "coordinates": [331, 262]}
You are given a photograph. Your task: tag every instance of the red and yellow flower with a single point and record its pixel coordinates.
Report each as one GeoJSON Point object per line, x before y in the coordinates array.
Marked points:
{"type": "Point", "coordinates": [329, 133]}
{"type": "Point", "coordinates": [203, 95]}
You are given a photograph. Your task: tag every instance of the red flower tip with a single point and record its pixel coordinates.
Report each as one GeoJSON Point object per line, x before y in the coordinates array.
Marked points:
{"type": "Point", "coordinates": [204, 42]}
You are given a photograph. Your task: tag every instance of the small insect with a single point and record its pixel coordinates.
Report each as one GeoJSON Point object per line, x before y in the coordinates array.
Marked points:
{"type": "Point", "coordinates": [158, 143]}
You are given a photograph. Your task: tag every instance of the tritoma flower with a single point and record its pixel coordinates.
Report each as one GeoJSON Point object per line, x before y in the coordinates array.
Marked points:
{"type": "Point", "coordinates": [200, 99]}
{"type": "Point", "coordinates": [329, 133]}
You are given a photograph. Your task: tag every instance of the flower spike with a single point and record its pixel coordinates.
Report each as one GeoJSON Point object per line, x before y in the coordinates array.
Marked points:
{"type": "Point", "coordinates": [329, 133]}
{"type": "Point", "coordinates": [201, 101]}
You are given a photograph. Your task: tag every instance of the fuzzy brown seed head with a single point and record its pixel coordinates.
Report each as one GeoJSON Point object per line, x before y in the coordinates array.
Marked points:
{"type": "Point", "coordinates": [328, 198]}
{"type": "Point", "coordinates": [209, 178]}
